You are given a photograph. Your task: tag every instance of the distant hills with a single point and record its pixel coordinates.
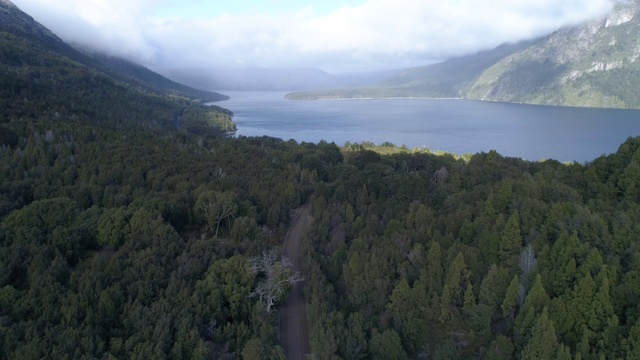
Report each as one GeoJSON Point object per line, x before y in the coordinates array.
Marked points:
{"type": "Point", "coordinates": [44, 78]}
{"type": "Point", "coordinates": [263, 79]}
{"type": "Point", "coordinates": [594, 65]}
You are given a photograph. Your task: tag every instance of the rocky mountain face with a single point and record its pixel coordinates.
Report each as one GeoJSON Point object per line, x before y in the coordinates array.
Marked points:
{"type": "Point", "coordinates": [595, 64]}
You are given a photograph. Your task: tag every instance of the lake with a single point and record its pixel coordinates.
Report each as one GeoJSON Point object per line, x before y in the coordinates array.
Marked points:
{"type": "Point", "coordinates": [456, 126]}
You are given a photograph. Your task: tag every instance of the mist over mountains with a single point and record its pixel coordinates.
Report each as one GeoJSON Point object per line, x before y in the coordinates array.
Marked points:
{"type": "Point", "coordinates": [264, 79]}
{"type": "Point", "coordinates": [593, 64]}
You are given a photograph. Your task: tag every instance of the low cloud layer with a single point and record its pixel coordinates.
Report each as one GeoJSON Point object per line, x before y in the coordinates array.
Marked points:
{"type": "Point", "coordinates": [377, 34]}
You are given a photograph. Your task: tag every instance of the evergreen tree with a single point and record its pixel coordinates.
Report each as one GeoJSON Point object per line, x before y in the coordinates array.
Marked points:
{"type": "Point", "coordinates": [510, 241]}
{"type": "Point", "coordinates": [386, 346]}
{"type": "Point", "coordinates": [453, 291]}
{"type": "Point", "coordinates": [543, 343]}
{"type": "Point", "coordinates": [511, 299]}
{"type": "Point", "coordinates": [536, 300]}
{"type": "Point", "coordinates": [492, 288]}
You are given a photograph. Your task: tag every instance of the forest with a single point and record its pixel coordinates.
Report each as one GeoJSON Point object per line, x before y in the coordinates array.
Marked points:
{"type": "Point", "coordinates": [132, 226]}
{"type": "Point", "coordinates": [106, 251]}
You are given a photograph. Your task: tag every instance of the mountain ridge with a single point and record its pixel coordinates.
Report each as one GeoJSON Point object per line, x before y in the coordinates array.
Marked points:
{"type": "Point", "coordinates": [16, 22]}
{"type": "Point", "coordinates": [593, 64]}
{"type": "Point", "coordinates": [45, 79]}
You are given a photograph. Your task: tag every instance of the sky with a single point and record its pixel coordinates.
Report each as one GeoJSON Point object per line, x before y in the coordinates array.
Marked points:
{"type": "Point", "coordinates": [337, 36]}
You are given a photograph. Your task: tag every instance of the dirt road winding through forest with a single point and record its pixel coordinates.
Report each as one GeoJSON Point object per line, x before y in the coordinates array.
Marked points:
{"type": "Point", "coordinates": [294, 327]}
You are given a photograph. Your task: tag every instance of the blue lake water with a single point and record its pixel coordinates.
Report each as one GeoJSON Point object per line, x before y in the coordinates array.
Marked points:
{"type": "Point", "coordinates": [457, 126]}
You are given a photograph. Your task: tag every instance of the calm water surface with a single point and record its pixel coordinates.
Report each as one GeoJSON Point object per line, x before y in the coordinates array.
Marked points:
{"type": "Point", "coordinates": [457, 126]}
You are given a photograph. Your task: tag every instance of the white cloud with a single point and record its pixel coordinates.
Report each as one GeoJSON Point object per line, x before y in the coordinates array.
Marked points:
{"type": "Point", "coordinates": [377, 34]}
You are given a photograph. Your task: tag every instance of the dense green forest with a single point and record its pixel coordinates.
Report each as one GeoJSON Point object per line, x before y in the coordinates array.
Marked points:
{"type": "Point", "coordinates": [106, 251]}
{"type": "Point", "coordinates": [423, 256]}
{"type": "Point", "coordinates": [132, 227]}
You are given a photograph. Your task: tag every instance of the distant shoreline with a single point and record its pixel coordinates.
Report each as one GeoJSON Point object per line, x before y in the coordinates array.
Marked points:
{"type": "Point", "coordinates": [372, 98]}
{"type": "Point", "coordinates": [388, 98]}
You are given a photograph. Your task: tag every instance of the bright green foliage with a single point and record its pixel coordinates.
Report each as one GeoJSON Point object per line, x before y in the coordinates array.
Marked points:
{"type": "Point", "coordinates": [469, 299]}
{"type": "Point", "coordinates": [536, 300]}
{"type": "Point", "coordinates": [201, 120]}
{"type": "Point", "coordinates": [564, 256]}
{"type": "Point", "coordinates": [493, 287]}
{"type": "Point", "coordinates": [408, 320]}
{"type": "Point", "coordinates": [510, 302]}
{"type": "Point", "coordinates": [631, 345]}
{"type": "Point", "coordinates": [113, 227]}
{"type": "Point", "coordinates": [500, 349]}
{"type": "Point", "coordinates": [543, 343]}
{"type": "Point", "coordinates": [386, 346]}
{"type": "Point", "coordinates": [227, 284]}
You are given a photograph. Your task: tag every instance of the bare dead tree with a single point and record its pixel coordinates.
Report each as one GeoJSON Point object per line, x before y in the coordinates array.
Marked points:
{"type": "Point", "coordinates": [277, 277]}
{"type": "Point", "coordinates": [218, 174]}
{"type": "Point", "coordinates": [217, 206]}
{"type": "Point", "coordinates": [527, 261]}
{"type": "Point", "coordinates": [440, 176]}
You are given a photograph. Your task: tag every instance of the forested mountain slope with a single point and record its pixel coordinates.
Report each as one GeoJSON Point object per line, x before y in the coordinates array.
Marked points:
{"type": "Point", "coordinates": [16, 22]}
{"type": "Point", "coordinates": [594, 64]}
{"type": "Point", "coordinates": [449, 79]}
{"type": "Point", "coordinates": [44, 78]}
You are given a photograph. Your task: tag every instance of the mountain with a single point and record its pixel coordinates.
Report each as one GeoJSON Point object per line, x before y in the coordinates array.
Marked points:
{"type": "Point", "coordinates": [262, 79]}
{"type": "Point", "coordinates": [43, 78]}
{"type": "Point", "coordinates": [593, 64]}
{"type": "Point", "coordinates": [16, 22]}
{"type": "Point", "coordinates": [448, 79]}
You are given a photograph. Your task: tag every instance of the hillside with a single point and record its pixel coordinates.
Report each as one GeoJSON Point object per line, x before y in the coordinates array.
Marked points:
{"type": "Point", "coordinates": [593, 64]}
{"type": "Point", "coordinates": [448, 79]}
{"type": "Point", "coordinates": [16, 22]}
{"type": "Point", "coordinates": [44, 78]}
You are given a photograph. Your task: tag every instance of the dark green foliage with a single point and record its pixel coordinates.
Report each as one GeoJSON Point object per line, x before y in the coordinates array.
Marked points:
{"type": "Point", "coordinates": [48, 85]}
{"type": "Point", "coordinates": [106, 254]}
{"type": "Point", "coordinates": [513, 255]}
{"type": "Point", "coordinates": [8, 137]}
{"type": "Point", "coordinates": [107, 217]}
{"type": "Point", "coordinates": [386, 346]}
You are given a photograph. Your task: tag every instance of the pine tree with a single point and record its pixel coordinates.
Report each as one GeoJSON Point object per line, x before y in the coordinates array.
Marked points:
{"type": "Point", "coordinates": [510, 241]}
{"type": "Point", "coordinates": [631, 344]}
{"type": "Point", "coordinates": [492, 287]}
{"type": "Point", "coordinates": [434, 277]}
{"type": "Point", "coordinates": [386, 346]}
{"type": "Point", "coordinates": [452, 295]}
{"type": "Point", "coordinates": [543, 343]}
{"type": "Point", "coordinates": [536, 300]}
{"type": "Point", "coordinates": [406, 314]}
{"type": "Point", "coordinates": [469, 299]}
{"type": "Point", "coordinates": [510, 303]}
